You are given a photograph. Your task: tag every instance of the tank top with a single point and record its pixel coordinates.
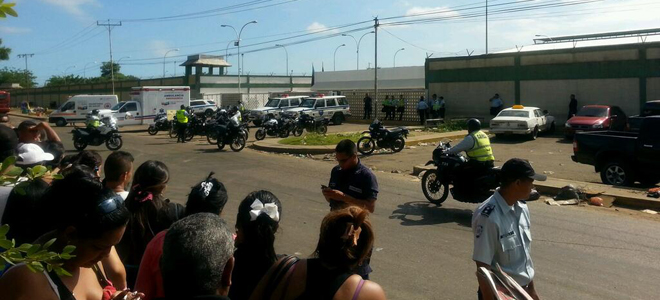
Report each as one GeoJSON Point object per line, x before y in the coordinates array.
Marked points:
{"type": "Point", "coordinates": [63, 292]}
{"type": "Point", "coordinates": [323, 283]}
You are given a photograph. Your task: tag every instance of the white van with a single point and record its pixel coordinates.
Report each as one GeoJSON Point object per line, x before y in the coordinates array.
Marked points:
{"type": "Point", "coordinates": [77, 107]}
{"type": "Point", "coordinates": [333, 108]}
{"type": "Point", "coordinates": [146, 102]}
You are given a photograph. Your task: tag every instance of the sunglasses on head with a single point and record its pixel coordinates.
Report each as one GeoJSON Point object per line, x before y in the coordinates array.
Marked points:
{"type": "Point", "coordinates": [110, 205]}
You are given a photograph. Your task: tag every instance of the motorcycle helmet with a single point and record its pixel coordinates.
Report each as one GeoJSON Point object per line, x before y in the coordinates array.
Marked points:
{"type": "Point", "coordinates": [567, 193]}
{"type": "Point", "coordinates": [95, 112]}
{"type": "Point", "coordinates": [473, 125]}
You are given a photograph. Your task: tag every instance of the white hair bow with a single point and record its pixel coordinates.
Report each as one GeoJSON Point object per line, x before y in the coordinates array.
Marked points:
{"type": "Point", "coordinates": [270, 209]}
{"type": "Point", "coordinates": [206, 188]}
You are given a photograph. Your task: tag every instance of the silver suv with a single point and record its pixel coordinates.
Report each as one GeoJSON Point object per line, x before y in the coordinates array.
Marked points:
{"type": "Point", "coordinates": [274, 107]}
{"type": "Point", "coordinates": [334, 108]}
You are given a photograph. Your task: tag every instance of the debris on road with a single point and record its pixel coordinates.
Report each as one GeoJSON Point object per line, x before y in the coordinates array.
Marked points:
{"type": "Point", "coordinates": [396, 171]}
{"type": "Point", "coordinates": [415, 180]}
{"type": "Point", "coordinates": [423, 144]}
{"type": "Point", "coordinates": [534, 195]}
{"type": "Point", "coordinates": [553, 202]}
{"type": "Point", "coordinates": [654, 193]}
{"type": "Point", "coordinates": [596, 201]}
{"type": "Point", "coordinates": [378, 249]}
{"type": "Point", "coordinates": [548, 172]}
{"type": "Point", "coordinates": [568, 192]}
{"type": "Point", "coordinates": [648, 211]}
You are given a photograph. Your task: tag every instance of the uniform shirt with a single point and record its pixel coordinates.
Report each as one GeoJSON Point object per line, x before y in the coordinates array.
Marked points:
{"type": "Point", "coordinates": [359, 183]}
{"type": "Point", "coordinates": [421, 105]}
{"type": "Point", "coordinates": [466, 144]}
{"type": "Point", "coordinates": [502, 235]}
{"type": "Point", "coordinates": [496, 102]}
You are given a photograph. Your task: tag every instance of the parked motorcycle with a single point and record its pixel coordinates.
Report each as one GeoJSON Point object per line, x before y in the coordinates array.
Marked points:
{"type": "Point", "coordinates": [280, 127]}
{"type": "Point", "coordinates": [311, 124]}
{"type": "Point", "coordinates": [161, 123]}
{"type": "Point", "coordinates": [435, 183]}
{"type": "Point", "coordinates": [106, 133]}
{"type": "Point", "coordinates": [230, 133]}
{"type": "Point", "coordinates": [222, 119]}
{"type": "Point", "coordinates": [196, 126]}
{"type": "Point", "coordinates": [383, 138]}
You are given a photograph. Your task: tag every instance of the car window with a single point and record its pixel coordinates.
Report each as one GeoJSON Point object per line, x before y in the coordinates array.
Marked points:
{"type": "Point", "coordinates": [130, 107]}
{"type": "Point", "coordinates": [295, 102]}
{"type": "Point", "coordinates": [273, 103]}
{"type": "Point", "coordinates": [617, 111]}
{"type": "Point", "coordinates": [514, 113]}
{"type": "Point", "coordinates": [210, 102]}
{"type": "Point", "coordinates": [342, 101]}
{"type": "Point", "coordinates": [331, 102]}
{"type": "Point", "coordinates": [538, 113]}
{"type": "Point", "coordinates": [320, 103]}
{"type": "Point", "coordinates": [68, 106]}
{"type": "Point", "coordinates": [587, 111]}
{"type": "Point", "coordinates": [284, 103]}
{"type": "Point", "coordinates": [196, 103]}
{"type": "Point", "coordinates": [308, 103]}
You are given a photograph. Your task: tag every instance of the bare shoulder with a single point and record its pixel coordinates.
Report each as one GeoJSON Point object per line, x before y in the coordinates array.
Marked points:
{"type": "Point", "coordinates": [372, 291]}
{"type": "Point", "coordinates": [369, 291]}
{"type": "Point", "coordinates": [21, 283]}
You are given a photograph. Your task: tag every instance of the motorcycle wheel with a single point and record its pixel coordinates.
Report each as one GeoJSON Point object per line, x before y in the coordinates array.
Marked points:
{"type": "Point", "coordinates": [114, 143]}
{"type": "Point", "coordinates": [323, 129]}
{"type": "Point", "coordinates": [212, 138]}
{"type": "Point", "coordinates": [79, 144]}
{"type": "Point", "coordinates": [434, 190]}
{"type": "Point", "coordinates": [398, 145]}
{"type": "Point", "coordinates": [221, 144]}
{"type": "Point", "coordinates": [238, 144]}
{"type": "Point", "coordinates": [190, 134]}
{"type": "Point", "coordinates": [298, 131]}
{"type": "Point", "coordinates": [366, 145]}
{"type": "Point", "coordinates": [152, 130]}
{"type": "Point", "coordinates": [246, 133]}
{"type": "Point", "coordinates": [172, 132]}
{"type": "Point", "coordinates": [260, 134]}
{"type": "Point", "coordinates": [284, 134]}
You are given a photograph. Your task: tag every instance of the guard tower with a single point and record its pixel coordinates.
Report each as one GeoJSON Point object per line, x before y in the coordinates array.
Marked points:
{"type": "Point", "coordinates": [211, 62]}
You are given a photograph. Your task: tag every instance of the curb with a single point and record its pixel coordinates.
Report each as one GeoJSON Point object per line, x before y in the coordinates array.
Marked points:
{"type": "Point", "coordinates": [274, 146]}
{"type": "Point", "coordinates": [27, 116]}
{"type": "Point", "coordinates": [621, 197]}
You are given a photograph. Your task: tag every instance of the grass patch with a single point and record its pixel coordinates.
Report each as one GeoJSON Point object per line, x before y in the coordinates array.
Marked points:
{"type": "Point", "coordinates": [315, 139]}
{"type": "Point", "coordinates": [450, 126]}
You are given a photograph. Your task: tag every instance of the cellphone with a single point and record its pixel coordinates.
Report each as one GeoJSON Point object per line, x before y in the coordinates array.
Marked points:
{"type": "Point", "coordinates": [323, 187]}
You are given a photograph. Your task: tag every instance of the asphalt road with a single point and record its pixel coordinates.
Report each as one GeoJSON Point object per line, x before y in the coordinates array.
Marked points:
{"type": "Point", "coordinates": [422, 251]}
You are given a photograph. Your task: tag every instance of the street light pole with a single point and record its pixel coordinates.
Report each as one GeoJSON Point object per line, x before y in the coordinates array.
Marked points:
{"type": "Point", "coordinates": [335, 57]}
{"type": "Point", "coordinates": [486, 26]}
{"type": "Point", "coordinates": [287, 57]}
{"type": "Point", "coordinates": [227, 55]}
{"type": "Point", "coordinates": [85, 68]}
{"type": "Point", "coordinates": [164, 56]}
{"type": "Point", "coordinates": [395, 53]}
{"type": "Point", "coordinates": [357, 51]}
{"type": "Point", "coordinates": [358, 47]}
{"type": "Point", "coordinates": [64, 73]}
{"type": "Point", "coordinates": [238, 44]}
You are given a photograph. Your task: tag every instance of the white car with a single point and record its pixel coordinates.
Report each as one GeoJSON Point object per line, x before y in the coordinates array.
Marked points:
{"type": "Point", "coordinates": [333, 108]}
{"type": "Point", "coordinates": [522, 120]}
{"type": "Point", "coordinates": [203, 106]}
{"type": "Point", "coordinates": [274, 107]}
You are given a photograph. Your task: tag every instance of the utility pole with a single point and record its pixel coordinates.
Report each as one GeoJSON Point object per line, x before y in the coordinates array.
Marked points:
{"type": "Point", "coordinates": [110, 26]}
{"type": "Point", "coordinates": [376, 67]}
{"type": "Point", "coordinates": [27, 76]}
{"type": "Point", "coordinates": [486, 26]}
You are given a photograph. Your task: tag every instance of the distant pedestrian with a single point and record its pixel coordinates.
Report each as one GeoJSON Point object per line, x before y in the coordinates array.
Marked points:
{"type": "Point", "coordinates": [401, 106]}
{"type": "Point", "coordinates": [386, 107]}
{"type": "Point", "coordinates": [429, 110]}
{"type": "Point", "coordinates": [351, 184]}
{"type": "Point", "coordinates": [441, 111]}
{"type": "Point", "coordinates": [501, 227]}
{"type": "Point", "coordinates": [496, 105]}
{"type": "Point", "coordinates": [422, 109]}
{"type": "Point", "coordinates": [367, 107]}
{"type": "Point", "coordinates": [572, 107]}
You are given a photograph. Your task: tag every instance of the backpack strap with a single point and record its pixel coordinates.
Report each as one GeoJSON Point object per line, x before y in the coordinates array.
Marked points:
{"type": "Point", "coordinates": [280, 271]}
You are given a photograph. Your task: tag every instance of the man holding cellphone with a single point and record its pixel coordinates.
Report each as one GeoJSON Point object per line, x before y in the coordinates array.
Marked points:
{"type": "Point", "coordinates": [351, 184]}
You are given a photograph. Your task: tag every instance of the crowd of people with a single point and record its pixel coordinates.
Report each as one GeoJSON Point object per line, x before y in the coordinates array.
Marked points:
{"type": "Point", "coordinates": [132, 242]}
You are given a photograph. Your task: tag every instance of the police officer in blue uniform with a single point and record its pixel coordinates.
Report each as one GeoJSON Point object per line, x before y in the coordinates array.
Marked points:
{"type": "Point", "coordinates": [501, 227]}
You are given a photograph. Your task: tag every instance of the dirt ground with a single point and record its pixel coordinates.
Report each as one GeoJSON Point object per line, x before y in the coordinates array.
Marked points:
{"type": "Point", "coordinates": [550, 155]}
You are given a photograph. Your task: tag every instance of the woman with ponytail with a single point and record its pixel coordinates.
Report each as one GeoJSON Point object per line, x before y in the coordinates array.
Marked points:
{"type": "Point", "coordinates": [257, 222]}
{"type": "Point", "coordinates": [345, 240]}
{"type": "Point", "coordinates": [208, 196]}
{"type": "Point", "coordinates": [151, 213]}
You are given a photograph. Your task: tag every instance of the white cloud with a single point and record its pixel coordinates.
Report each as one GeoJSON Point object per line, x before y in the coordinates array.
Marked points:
{"type": "Point", "coordinates": [74, 7]}
{"type": "Point", "coordinates": [14, 30]}
{"type": "Point", "coordinates": [317, 27]}
{"type": "Point", "coordinates": [440, 11]}
{"type": "Point", "coordinates": [160, 47]}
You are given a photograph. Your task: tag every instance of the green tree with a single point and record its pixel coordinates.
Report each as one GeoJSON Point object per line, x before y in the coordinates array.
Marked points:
{"type": "Point", "coordinates": [105, 69]}
{"type": "Point", "coordinates": [12, 75]}
{"type": "Point", "coordinates": [56, 80]}
{"type": "Point", "coordinates": [4, 52]}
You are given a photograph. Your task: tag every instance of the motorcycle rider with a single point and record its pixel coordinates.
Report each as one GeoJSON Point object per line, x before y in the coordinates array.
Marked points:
{"type": "Point", "coordinates": [480, 154]}
{"type": "Point", "coordinates": [182, 123]}
{"type": "Point", "coordinates": [93, 123]}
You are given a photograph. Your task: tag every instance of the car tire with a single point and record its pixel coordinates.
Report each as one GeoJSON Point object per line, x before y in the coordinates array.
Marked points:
{"type": "Point", "coordinates": [60, 123]}
{"type": "Point", "coordinates": [534, 134]}
{"type": "Point", "coordinates": [616, 173]}
{"type": "Point", "coordinates": [208, 113]}
{"type": "Point", "coordinates": [338, 119]}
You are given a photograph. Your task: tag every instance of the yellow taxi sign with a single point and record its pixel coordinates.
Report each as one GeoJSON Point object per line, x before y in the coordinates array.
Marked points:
{"type": "Point", "coordinates": [518, 107]}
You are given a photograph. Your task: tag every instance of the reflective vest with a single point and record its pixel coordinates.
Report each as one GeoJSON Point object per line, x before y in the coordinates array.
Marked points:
{"type": "Point", "coordinates": [93, 122]}
{"type": "Point", "coordinates": [481, 151]}
{"type": "Point", "coordinates": [402, 103]}
{"type": "Point", "coordinates": [436, 105]}
{"type": "Point", "coordinates": [181, 116]}
{"type": "Point", "coordinates": [387, 102]}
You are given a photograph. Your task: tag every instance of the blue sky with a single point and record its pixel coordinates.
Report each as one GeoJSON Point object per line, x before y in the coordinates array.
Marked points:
{"type": "Point", "coordinates": [49, 27]}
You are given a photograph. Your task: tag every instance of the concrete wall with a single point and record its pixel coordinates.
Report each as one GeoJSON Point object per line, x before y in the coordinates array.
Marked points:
{"type": "Point", "coordinates": [402, 78]}
{"type": "Point", "coordinates": [553, 95]}
{"type": "Point", "coordinates": [653, 88]}
{"type": "Point", "coordinates": [470, 99]}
